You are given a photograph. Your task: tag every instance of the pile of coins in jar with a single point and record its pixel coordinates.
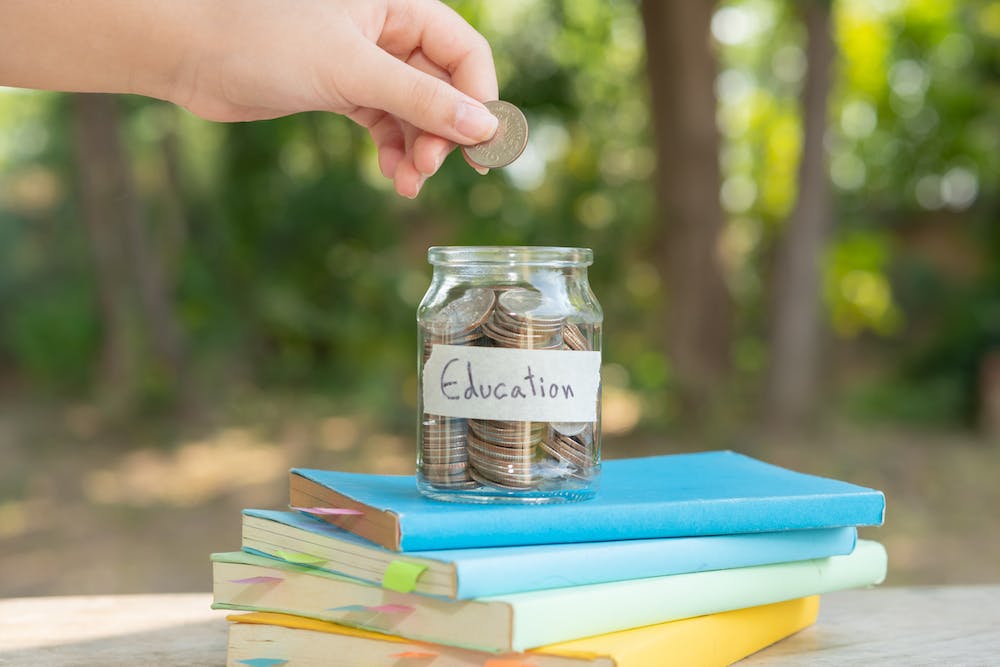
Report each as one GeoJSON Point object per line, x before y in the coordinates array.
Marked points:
{"type": "Point", "coordinates": [460, 453]}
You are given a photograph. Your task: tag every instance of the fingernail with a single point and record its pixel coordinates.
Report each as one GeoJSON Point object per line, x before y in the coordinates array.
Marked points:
{"type": "Point", "coordinates": [475, 122]}
{"type": "Point", "coordinates": [420, 184]}
{"type": "Point", "coordinates": [482, 170]}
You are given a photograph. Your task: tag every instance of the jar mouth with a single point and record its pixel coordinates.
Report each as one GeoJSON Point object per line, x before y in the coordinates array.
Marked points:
{"type": "Point", "coordinates": [553, 256]}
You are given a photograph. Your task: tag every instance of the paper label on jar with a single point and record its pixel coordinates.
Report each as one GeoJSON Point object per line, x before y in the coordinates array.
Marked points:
{"type": "Point", "coordinates": [510, 384]}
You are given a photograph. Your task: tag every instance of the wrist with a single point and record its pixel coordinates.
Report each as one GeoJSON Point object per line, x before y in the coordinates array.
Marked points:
{"type": "Point", "coordinates": [175, 32]}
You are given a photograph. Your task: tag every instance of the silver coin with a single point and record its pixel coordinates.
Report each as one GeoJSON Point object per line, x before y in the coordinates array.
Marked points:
{"type": "Point", "coordinates": [454, 486]}
{"type": "Point", "coordinates": [428, 458]}
{"type": "Point", "coordinates": [446, 468]}
{"type": "Point", "coordinates": [574, 338]}
{"type": "Point", "coordinates": [505, 338]}
{"type": "Point", "coordinates": [571, 442]}
{"type": "Point", "coordinates": [570, 428]}
{"type": "Point", "coordinates": [509, 141]}
{"type": "Point", "coordinates": [463, 315]}
{"type": "Point", "coordinates": [465, 483]}
{"type": "Point", "coordinates": [502, 476]}
{"type": "Point", "coordinates": [514, 431]}
{"type": "Point", "coordinates": [524, 304]}
{"type": "Point", "coordinates": [521, 328]}
{"type": "Point", "coordinates": [479, 454]}
{"type": "Point", "coordinates": [507, 447]}
{"type": "Point", "coordinates": [565, 454]}
{"type": "Point", "coordinates": [519, 475]}
{"type": "Point", "coordinates": [487, 481]}
{"type": "Point", "coordinates": [447, 479]}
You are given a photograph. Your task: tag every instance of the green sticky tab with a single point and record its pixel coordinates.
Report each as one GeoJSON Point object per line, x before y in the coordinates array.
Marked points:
{"type": "Point", "coordinates": [302, 559]}
{"type": "Point", "coordinates": [402, 576]}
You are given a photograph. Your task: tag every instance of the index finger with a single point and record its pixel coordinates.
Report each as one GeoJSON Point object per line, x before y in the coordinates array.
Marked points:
{"type": "Point", "coordinates": [446, 39]}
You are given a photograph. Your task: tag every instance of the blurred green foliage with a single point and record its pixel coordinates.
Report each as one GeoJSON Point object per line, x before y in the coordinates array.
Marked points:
{"type": "Point", "coordinates": [297, 265]}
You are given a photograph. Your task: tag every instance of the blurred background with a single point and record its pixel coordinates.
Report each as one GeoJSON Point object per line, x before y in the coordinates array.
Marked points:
{"type": "Point", "coordinates": [794, 210]}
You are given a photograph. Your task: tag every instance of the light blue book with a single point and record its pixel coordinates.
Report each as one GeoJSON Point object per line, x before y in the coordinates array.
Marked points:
{"type": "Point", "coordinates": [473, 573]}
{"type": "Point", "coordinates": [680, 495]}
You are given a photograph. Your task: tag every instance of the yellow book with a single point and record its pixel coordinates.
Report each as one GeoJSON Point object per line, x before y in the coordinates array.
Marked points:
{"type": "Point", "coordinates": [265, 639]}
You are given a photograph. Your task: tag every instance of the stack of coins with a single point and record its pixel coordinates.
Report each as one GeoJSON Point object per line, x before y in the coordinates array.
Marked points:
{"type": "Point", "coordinates": [521, 319]}
{"type": "Point", "coordinates": [461, 321]}
{"type": "Point", "coordinates": [502, 452]}
{"type": "Point", "coordinates": [582, 432]}
{"type": "Point", "coordinates": [573, 338]}
{"type": "Point", "coordinates": [459, 453]}
{"type": "Point", "coordinates": [444, 459]}
{"type": "Point", "coordinates": [576, 450]}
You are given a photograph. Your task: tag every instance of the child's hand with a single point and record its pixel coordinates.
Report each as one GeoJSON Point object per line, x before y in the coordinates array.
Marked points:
{"type": "Point", "coordinates": [411, 71]}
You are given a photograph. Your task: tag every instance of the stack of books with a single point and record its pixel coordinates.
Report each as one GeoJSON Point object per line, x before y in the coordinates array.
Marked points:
{"type": "Point", "coordinates": [689, 559]}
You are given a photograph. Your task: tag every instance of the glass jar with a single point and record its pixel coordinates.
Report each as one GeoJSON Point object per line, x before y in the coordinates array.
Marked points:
{"type": "Point", "coordinates": [509, 376]}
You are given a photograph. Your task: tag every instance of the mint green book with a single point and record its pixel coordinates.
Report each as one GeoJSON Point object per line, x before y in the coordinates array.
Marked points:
{"type": "Point", "coordinates": [521, 621]}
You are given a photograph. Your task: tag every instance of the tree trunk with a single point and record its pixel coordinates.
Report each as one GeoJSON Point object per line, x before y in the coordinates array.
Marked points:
{"type": "Point", "coordinates": [95, 132]}
{"type": "Point", "coordinates": [796, 335]}
{"type": "Point", "coordinates": [682, 69]}
{"type": "Point", "coordinates": [127, 269]}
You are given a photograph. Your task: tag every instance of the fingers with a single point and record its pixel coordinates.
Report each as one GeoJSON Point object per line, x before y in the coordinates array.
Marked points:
{"type": "Point", "coordinates": [385, 82]}
{"type": "Point", "coordinates": [428, 69]}
{"type": "Point", "coordinates": [447, 40]}
{"type": "Point", "coordinates": [406, 155]}
{"type": "Point", "coordinates": [481, 170]}
{"type": "Point", "coordinates": [429, 153]}
{"type": "Point", "coordinates": [390, 142]}
{"type": "Point", "coordinates": [407, 179]}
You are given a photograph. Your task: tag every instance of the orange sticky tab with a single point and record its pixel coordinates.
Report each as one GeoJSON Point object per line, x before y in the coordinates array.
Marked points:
{"type": "Point", "coordinates": [505, 662]}
{"type": "Point", "coordinates": [414, 654]}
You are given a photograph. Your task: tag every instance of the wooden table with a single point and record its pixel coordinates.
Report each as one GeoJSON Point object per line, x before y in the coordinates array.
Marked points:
{"type": "Point", "coordinates": [948, 625]}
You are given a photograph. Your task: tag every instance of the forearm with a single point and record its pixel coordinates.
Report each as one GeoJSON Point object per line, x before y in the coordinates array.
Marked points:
{"type": "Point", "coordinates": [411, 71]}
{"type": "Point", "coordinates": [113, 46]}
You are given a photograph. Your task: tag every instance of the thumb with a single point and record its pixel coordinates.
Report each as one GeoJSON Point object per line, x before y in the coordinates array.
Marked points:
{"type": "Point", "coordinates": [387, 83]}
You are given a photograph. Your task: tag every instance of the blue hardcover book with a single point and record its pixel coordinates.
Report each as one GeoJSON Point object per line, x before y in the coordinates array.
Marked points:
{"type": "Point", "coordinates": [679, 495]}
{"type": "Point", "coordinates": [471, 573]}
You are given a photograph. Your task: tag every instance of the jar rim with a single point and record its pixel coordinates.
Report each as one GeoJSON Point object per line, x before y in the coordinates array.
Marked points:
{"type": "Point", "coordinates": [554, 256]}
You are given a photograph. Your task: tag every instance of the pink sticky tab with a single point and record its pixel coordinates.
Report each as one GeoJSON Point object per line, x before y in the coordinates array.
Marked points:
{"type": "Point", "coordinates": [391, 609]}
{"type": "Point", "coordinates": [329, 511]}
{"type": "Point", "coordinates": [505, 662]}
{"type": "Point", "coordinates": [256, 580]}
{"type": "Point", "coordinates": [414, 654]}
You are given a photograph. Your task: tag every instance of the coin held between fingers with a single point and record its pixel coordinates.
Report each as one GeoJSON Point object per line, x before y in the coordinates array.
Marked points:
{"type": "Point", "coordinates": [507, 143]}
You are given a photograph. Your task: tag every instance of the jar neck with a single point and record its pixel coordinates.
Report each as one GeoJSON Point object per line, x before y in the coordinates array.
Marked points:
{"type": "Point", "coordinates": [510, 256]}
{"type": "Point", "coordinates": [512, 274]}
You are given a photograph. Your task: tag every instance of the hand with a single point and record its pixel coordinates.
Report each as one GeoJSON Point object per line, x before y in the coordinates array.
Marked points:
{"type": "Point", "coordinates": [411, 71]}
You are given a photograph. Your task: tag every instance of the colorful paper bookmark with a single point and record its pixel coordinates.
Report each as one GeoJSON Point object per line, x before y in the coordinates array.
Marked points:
{"type": "Point", "coordinates": [401, 576]}
{"type": "Point", "coordinates": [300, 558]}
